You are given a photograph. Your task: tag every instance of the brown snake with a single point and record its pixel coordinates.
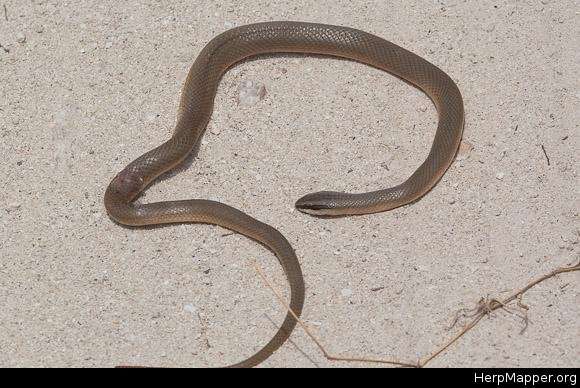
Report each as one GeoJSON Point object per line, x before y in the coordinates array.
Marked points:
{"type": "Point", "coordinates": [194, 114]}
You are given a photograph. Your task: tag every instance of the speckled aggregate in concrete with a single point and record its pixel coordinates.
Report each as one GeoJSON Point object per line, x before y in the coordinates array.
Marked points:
{"type": "Point", "coordinates": [87, 86]}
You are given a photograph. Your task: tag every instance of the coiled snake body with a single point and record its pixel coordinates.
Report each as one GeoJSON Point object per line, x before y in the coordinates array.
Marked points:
{"type": "Point", "coordinates": [194, 114]}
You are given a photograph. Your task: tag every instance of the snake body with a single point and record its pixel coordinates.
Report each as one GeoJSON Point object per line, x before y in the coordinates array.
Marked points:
{"type": "Point", "coordinates": [196, 107]}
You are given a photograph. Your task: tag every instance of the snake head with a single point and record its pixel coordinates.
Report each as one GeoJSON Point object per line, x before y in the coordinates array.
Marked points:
{"type": "Point", "coordinates": [322, 203]}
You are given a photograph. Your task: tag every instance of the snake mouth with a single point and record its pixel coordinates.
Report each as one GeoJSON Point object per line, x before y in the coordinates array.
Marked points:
{"type": "Point", "coordinates": [317, 210]}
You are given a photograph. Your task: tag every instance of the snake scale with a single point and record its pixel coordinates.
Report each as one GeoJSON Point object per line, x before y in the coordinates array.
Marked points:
{"type": "Point", "coordinates": [196, 108]}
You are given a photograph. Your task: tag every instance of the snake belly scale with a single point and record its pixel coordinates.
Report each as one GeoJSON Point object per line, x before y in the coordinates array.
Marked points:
{"type": "Point", "coordinates": [195, 110]}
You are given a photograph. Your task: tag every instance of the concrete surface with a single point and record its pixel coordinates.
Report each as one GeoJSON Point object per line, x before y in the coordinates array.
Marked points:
{"type": "Point", "coordinates": [87, 86]}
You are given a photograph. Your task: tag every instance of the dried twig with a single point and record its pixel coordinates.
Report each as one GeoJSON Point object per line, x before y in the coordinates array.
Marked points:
{"type": "Point", "coordinates": [546, 154]}
{"type": "Point", "coordinates": [487, 306]}
{"type": "Point", "coordinates": [5, 12]}
{"type": "Point", "coordinates": [463, 313]}
{"type": "Point", "coordinates": [298, 348]}
{"type": "Point", "coordinates": [526, 317]}
{"type": "Point", "coordinates": [318, 343]}
{"type": "Point", "coordinates": [484, 307]}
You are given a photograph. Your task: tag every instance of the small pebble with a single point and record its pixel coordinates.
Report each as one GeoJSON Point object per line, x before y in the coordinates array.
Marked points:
{"type": "Point", "coordinates": [21, 38]}
{"type": "Point", "coordinates": [347, 292]}
{"type": "Point", "coordinates": [39, 29]}
{"type": "Point", "coordinates": [189, 308]}
{"type": "Point", "coordinates": [500, 176]}
{"type": "Point", "coordinates": [251, 92]}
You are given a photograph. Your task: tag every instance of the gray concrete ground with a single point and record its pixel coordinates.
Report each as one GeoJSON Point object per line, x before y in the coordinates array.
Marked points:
{"type": "Point", "coordinates": [87, 86]}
